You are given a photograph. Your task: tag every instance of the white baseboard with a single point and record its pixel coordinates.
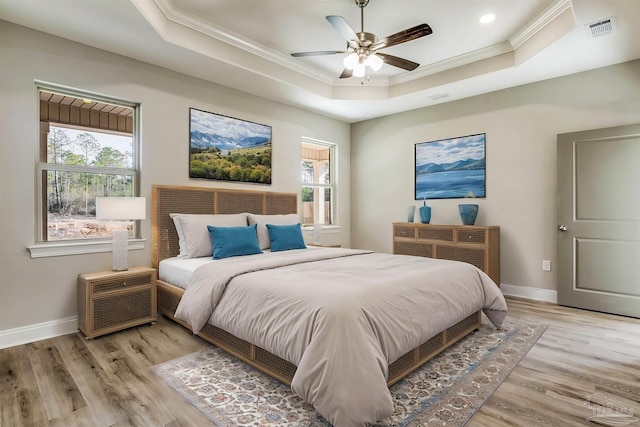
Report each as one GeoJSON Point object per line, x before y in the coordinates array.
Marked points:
{"type": "Point", "coordinates": [527, 292]}
{"type": "Point", "coordinates": [37, 332]}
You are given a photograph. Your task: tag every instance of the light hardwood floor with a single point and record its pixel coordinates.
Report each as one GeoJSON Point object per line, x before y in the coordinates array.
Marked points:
{"type": "Point", "coordinates": [581, 355]}
{"type": "Point", "coordinates": [71, 381]}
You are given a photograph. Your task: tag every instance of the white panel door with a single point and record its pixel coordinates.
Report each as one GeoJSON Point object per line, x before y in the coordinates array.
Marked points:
{"type": "Point", "coordinates": [599, 220]}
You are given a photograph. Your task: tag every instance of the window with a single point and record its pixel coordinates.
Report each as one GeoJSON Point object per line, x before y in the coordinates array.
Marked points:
{"type": "Point", "coordinates": [318, 182]}
{"type": "Point", "coordinates": [88, 148]}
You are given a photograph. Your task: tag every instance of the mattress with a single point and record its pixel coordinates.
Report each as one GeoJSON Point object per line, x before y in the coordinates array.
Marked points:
{"type": "Point", "coordinates": [178, 271]}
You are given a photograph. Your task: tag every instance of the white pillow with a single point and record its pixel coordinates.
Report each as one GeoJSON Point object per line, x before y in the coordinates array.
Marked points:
{"type": "Point", "coordinates": [263, 220]}
{"type": "Point", "coordinates": [193, 235]}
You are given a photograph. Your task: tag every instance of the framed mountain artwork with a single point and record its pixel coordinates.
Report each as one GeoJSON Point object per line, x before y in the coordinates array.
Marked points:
{"type": "Point", "coordinates": [228, 149]}
{"type": "Point", "coordinates": [451, 168]}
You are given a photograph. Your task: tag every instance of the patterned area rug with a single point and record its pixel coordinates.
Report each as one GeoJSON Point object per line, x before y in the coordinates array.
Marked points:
{"type": "Point", "coordinates": [447, 390]}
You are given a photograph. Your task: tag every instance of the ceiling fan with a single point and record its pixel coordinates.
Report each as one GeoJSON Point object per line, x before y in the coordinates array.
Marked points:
{"type": "Point", "coordinates": [363, 47]}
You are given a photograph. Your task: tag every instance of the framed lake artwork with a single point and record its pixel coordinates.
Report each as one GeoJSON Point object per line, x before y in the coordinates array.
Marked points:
{"type": "Point", "coordinates": [228, 149]}
{"type": "Point", "coordinates": [451, 168]}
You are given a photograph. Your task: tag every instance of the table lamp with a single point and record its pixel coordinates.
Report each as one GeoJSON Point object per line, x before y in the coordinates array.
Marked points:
{"type": "Point", "coordinates": [120, 208]}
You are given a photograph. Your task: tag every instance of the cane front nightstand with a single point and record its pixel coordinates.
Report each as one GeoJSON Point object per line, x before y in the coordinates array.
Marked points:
{"type": "Point", "coordinates": [110, 301]}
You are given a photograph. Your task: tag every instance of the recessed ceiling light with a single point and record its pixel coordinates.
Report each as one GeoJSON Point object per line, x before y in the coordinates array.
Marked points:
{"type": "Point", "coordinates": [485, 19]}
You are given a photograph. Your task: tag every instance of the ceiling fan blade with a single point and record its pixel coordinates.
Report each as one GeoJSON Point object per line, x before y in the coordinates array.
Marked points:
{"type": "Point", "coordinates": [398, 62]}
{"type": "Point", "coordinates": [403, 36]}
{"type": "Point", "coordinates": [344, 29]}
{"type": "Point", "coordinates": [318, 53]}
{"type": "Point", "coordinates": [346, 74]}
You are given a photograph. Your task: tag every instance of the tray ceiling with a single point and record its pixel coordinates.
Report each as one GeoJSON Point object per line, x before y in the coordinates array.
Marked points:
{"type": "Point", "coordinates": [247, 44]}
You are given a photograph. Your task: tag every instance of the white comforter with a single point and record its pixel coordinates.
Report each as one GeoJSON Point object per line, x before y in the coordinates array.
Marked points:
{"type": "Point", "coordinates": [340, 315]}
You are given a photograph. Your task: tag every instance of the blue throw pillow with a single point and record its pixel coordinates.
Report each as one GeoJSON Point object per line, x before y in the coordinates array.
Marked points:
{"type": "Point", "coordinates": [285, 237]}
{"type": "Point", "coordinates": [234, 241]}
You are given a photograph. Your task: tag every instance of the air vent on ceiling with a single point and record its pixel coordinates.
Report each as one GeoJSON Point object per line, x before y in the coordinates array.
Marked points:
{"type": "Point", "coordinates": [599, 28]}
{"type": "Point", "coordinates": [438, 96]}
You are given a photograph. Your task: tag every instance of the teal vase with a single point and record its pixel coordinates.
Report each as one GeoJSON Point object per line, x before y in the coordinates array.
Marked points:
{"type": "Point", "coordinates": [468, 213]}
{"type": "Point", "coordinates": [425, 213]}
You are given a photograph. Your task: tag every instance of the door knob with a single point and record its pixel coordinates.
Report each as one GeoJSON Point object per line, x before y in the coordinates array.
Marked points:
{"type": "Point", "coordinates": [562, 227]}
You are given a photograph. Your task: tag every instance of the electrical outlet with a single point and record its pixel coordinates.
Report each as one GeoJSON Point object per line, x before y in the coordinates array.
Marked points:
{"type": "Point", "coordinates": [546, 265]}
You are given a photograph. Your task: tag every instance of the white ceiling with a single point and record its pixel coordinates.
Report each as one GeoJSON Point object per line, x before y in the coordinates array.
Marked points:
{"type": "Point", "coordinates": [246, 44]}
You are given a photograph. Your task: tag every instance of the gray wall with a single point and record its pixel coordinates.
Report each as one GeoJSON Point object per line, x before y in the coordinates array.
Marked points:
{"type": "Point", "coordinates": [33, 291]}
{"type": "Point", "coordinates": [521, 125]}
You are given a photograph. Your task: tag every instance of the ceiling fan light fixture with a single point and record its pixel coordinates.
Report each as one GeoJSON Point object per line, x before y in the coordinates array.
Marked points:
{"type": "Point", "coordinates": [362, 46]}
{"type": "Point", "coordinates": [374, 61]}
{"type": "Point", "coordinates": [488, 18]}
{"type": "Point", "coordinates": [351, 60]}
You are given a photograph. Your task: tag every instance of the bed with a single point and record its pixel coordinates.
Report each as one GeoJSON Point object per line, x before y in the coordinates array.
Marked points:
{"type": "Point", "coordinates": [346, 378]}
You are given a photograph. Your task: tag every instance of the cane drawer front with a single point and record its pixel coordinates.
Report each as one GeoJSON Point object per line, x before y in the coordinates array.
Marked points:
{"type": "Point", "coordinates": [471, 236]}
{"type": "Point", "coordinates": [469, 255]}
{"type": "Point", "coordinates": [436, 233]}
{"type": "Point", "coordinates": [412, 248]}
{"type": "Point", "coordinates": [113, 283]}
{"type": "Point", "coordinates": [402, 231]}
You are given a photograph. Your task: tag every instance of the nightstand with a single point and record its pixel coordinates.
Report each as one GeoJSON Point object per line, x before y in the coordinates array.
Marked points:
{"type": "Point", "coordinates": [110, 301]}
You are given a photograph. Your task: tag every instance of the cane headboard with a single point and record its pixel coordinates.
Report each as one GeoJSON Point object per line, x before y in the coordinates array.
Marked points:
{"type": "Point", "coordinates": [166, 199]}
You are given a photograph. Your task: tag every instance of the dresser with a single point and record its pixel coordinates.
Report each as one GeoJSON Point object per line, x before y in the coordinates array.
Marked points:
{"type": "Point", "coordinates": [477, 245]}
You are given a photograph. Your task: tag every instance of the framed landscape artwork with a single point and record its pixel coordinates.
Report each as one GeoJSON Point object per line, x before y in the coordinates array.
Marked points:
{"type": "Point", "coordinates": [451, 168]}
{"type": "Point", "coordinates": [228, 149]}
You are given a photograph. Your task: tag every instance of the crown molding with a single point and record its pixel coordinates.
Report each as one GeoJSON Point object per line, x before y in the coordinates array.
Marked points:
{"type": "Point", "coordinates": [171, 13]}
{"type": "Point", "coordinates": [540, 22]}
{"type": "Point", "coordinates": [454, 62]}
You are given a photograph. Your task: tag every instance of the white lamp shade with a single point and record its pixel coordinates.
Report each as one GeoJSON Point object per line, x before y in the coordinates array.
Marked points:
{"type": "Point", "coordinates": [122, 208]}
{"type": "Point", "coordinates": [358, 71]}
{"type": "Point", "coordinates": [350, 61]}
{"type": "Point", "coordinates": [374, 61]}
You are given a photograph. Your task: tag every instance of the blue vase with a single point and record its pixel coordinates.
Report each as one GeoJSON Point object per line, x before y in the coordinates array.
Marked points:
{"type": "Point", "coordinates": [410, 211]}
{"type": "Point", "coordinates": [468, 213]}
{"type": "Point", "coordinates": [425, 213]}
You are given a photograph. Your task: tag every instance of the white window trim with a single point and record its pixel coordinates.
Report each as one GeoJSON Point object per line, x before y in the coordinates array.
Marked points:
{"type": "Point", "coordinates": [40, 167]}
{"type": "Point", "coordinates": [333, 167]}
{"type": "Point", "coordinates": [328, 228]}
{"type": "Point", "coordinates": [79, 247]}
{"type": "Point", "coordinates": [42, 248]}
